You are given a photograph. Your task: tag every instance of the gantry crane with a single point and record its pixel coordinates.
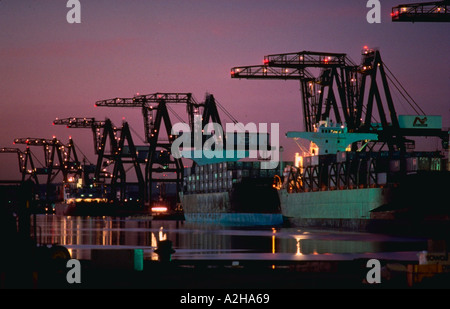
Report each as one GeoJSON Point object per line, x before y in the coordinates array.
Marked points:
{"type": "Point", "coordinates": [114, 153]}
{"type": "Point", "coordinates": [436, 11]}
{"type": "Point", "coordinates": [351, 91]}
{"type": "Point", "coordinates": [58, 158]}
{"type": "Point", "coordinates": [317, 103]}
{"type": "Point", "coordinates": [96, 127]}
{"type": "Point", "coordinates": [66, 160]}
{"type": "Point", "coordinates": [155, 111]}
{"type": "Point", "coordinates": [119, 155]}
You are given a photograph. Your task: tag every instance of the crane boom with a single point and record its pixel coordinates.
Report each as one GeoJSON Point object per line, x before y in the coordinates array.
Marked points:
{"type": "Point", "coordinates": [305, 59]}
{"type": "Point", "coordinates": [436, 11]}
{"type": "Point", "coordinates": [74, 122]}
{"type": "Point", "coordinates": [85, 123]}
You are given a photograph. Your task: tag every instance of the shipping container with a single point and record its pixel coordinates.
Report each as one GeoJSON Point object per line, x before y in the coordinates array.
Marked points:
{"type": "Point", "coordinates": [424, 164]}
{"type": "Point", "coordinates": [210, 186]}
{"type": "Point", "coordinates": [345, 156]}
{"type": "Point", "coordinates": [243, 173]}
{"type": "Point", "coordinates": [412, 164]}
{"type": "Point", "coordinates": [187, 171]}
{"type": "Point", "coordinates": [310, 161]}
{"type": "Point", "coordinates": [232, 174]}
{"type": "Point", "coordinates": [230, 184]}
{"type": "Point", "coordinates": [382, 178]}
{"type": "Point", "coordinates": [436, 164]}
{"type": "Point", "coordinates": [224, 166]}
{"type": "Point", "coordinates": [247, 165]}
{"type": "Point", "coordinates": [394, 165]}
{"type": "Point", "coordinates": [231, 165]}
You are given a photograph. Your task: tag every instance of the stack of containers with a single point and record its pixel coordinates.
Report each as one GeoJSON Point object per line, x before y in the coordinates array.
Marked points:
{"type": "Point", "coordinates": [220, 177]}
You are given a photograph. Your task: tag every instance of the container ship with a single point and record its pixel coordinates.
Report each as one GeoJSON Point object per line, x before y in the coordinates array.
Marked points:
{"type": "Point", "coordinates": [363, 169]}
{"type": "Point", "coordinates": [332, 186]}
{"type": "Point", "coordinates": [231, 193]}
{"type": "Point", "coordinates": [95, 202]}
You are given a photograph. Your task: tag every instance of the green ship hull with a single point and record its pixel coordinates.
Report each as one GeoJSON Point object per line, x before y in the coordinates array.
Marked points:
{"type": "Point", "coordinates": [350, 209]}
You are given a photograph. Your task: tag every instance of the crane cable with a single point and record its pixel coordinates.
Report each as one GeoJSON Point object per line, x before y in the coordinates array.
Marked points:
{"type": "Point", "coordinates": [135, 132]}
{"type": "Point", "coordinates": [404, 92]}
{"type": "Point", "coordinates": [84, 156]}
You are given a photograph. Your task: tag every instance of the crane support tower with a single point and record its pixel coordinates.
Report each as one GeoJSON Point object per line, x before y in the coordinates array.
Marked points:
{"type": "Point", "coordinates": [58, 159]}
{"type": "Point", "coordinates": [110, 148]}
{"type": "Point", "coordinates": [119, 154]}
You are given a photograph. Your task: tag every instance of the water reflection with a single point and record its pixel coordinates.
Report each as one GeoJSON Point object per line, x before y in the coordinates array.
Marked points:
{"type": "Point", "coordinates": [196, 240]}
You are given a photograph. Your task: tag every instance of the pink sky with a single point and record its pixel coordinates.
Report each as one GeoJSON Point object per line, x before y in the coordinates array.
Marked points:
{"type": "Point", "coordinates": [54, 69]}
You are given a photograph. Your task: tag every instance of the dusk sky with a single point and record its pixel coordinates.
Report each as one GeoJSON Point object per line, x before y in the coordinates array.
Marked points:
{"type": "Point", "coordinates": [50, 68]}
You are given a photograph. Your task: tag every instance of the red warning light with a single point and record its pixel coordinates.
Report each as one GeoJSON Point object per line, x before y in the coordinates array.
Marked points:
{"type": "Point", "coordinates": [266, 61]}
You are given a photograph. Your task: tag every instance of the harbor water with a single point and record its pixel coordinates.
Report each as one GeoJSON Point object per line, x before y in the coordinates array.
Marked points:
{"type": "Point", "coordinates": [193, 241]}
